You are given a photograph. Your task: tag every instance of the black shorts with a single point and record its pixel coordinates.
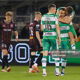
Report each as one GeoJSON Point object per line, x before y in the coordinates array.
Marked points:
{"type": "Point", "coordinates": [34, 45]}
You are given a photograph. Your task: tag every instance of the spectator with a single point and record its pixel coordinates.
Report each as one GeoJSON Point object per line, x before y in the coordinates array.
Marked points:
{"type": "Point", "coordinates": [78, 33]}
{"type": "Point", "coordinates": [25, 32]}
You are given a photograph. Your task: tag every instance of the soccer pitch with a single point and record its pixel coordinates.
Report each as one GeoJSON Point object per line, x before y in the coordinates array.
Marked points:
{"type": "Point", "coordinates": [21, 73]}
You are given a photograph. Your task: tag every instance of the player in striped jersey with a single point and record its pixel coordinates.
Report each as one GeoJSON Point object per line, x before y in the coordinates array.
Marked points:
{"type": "Point", "coordinates": [64, 29]}
{"type": "Point", "coordinates": [68, 20]}
{"type": "Point", "coordinates": [51, 32]}
{"type": "Point", "coordinates": [35, 42]}
{"type": "Point", "coordinates": [6, 27]}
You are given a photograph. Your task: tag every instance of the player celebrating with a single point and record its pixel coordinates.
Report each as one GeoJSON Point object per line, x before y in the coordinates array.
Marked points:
{"type": "Point", "coordinates": [68, 20]}
{"type": "Point", "coordinates": [35, 42]}
{"type": "Point", "coordinates": [7, 26]}
{"type": "Point", "coordinates": [64, 30]}
{"type": "Point", "coordinates": [51, 32]}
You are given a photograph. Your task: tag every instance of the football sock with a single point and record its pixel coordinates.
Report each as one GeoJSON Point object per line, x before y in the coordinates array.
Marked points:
{"type": "Point", "coordinates": [3, 62]}
{"type": "Point", "coordinates": [73, 47]}
{"type": "Point", "coordinates": [39, 59]}
{"type": "Point", "coordinates": [6, 60]}
{"type": "Point", "coordinates": [44, 62]}
{"type": "Point", "coordinates": [31, 61]}
{"type": "Point", "coordinates": [63, 65]}
{"type": "Point", "coordinates": [57, 63]}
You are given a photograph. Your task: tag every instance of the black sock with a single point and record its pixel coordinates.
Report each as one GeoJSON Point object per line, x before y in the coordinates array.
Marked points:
{"type": "Point", "coordinates": [3, 62]}
{"type": "Point", "coordinates": [6, 60]}
{"type": "Point", "coordinates": [32, 60]}
{"type": "Point", "coordinates": [39, 59]}
{"type": "Point", "coordinates": [0, 51]}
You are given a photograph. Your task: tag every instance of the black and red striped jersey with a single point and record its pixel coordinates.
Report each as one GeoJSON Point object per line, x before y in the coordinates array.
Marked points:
{"type": "Point", "coordinates": [6, 29]}
{"type": "Point", "coordinates": [34, 26]}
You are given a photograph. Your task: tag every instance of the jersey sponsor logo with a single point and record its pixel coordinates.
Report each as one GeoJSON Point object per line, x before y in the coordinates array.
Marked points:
{"type": "Point", "coordinates": [65, 35]}
{"type": "Point", "coordinates": [4, 45]}
{"type": "Point", "coordinates": [3, 25]}
{"type": "Point", "coordinates": [6, 29]}
{"type": "Point", "coordinates": [31, 31]}
{"type": "Point", "coordinates": [49, 34]}
{"type": "Point", "coordinates": [64, 28]}
{"type": "Point", "coordinates": [31, 23]}
{"type": "Point", "coordinates": [11, 25]}
{"type": "Point", "coordinates": [37, 26]}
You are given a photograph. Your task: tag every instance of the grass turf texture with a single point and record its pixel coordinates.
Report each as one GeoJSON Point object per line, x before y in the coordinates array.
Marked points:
{"type": "Point", "coordinates": [21, 73]}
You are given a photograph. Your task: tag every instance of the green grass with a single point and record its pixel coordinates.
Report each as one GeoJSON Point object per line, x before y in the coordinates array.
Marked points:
{"type": "Point", "coordinates": [21, 73]}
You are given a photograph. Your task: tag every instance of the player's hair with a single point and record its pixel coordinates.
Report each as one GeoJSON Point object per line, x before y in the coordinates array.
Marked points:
{"type": "Point", "coordinates": [63, 9]}
{"type": "Point", "coordinates": [37, 12]}
{"type": "Point", "coordinates": [50, 6]}
{"type": "Point", "coordinates": [9, 13]}
{"type": "Point", "coordinates": [69, 10]}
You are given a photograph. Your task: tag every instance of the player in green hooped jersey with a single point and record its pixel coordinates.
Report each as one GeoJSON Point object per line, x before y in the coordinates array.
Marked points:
{"type": "Point", "coordinates": [64, 30]}
{"type": "Point", "coordinates": [68, 20]}
{"type": "Point", "coordinates": [51, 32]}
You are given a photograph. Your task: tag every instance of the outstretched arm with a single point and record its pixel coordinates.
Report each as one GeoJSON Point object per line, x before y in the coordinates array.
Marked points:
{"type": "Point", "coordinates": [66, 19]}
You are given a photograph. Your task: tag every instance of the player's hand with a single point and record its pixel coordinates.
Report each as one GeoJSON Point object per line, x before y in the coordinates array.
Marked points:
{"type": "Point", "coordinates": [59, 41]}
{"type": "Point", "coordinates": [41, 44]}
{"type": "Point", "coordinates": [76, 39]}
{"type": "Point", "coordinates": [16, 40]}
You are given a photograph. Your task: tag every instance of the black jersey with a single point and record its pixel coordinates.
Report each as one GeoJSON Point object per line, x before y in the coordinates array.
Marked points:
{"type": "Point", "coordinates": [34, 26]}
{"type": "Point", "coordinates": [33, 41]}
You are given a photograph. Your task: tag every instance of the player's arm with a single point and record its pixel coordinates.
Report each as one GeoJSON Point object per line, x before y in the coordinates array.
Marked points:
{"type": "Point", "coordinates": [73, 31]}
{"type": "Point", "coordinates": [58, 31]}
{"type": "Point", "coordinates": [66, 20]}
{"type": "Point", "coordinates": [38, 37]}
{"type": "Point", "coordinates": [15, 32]}
{"type": "Point", "coordinates": [41, 24]}
{"type": "Point", "coordinates": [41, 27]}
{"type": "Point", "coordinates": [37, 34]}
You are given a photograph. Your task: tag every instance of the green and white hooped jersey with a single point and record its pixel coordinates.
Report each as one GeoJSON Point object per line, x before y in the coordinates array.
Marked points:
{"type": "Point", "coordinates": [49, 22]}
{"type": "Point", "coordinates": [64, 29]}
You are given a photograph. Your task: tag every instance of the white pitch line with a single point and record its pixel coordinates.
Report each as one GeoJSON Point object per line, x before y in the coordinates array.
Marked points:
{"type": "Point", "coordinates": [14, 72]}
